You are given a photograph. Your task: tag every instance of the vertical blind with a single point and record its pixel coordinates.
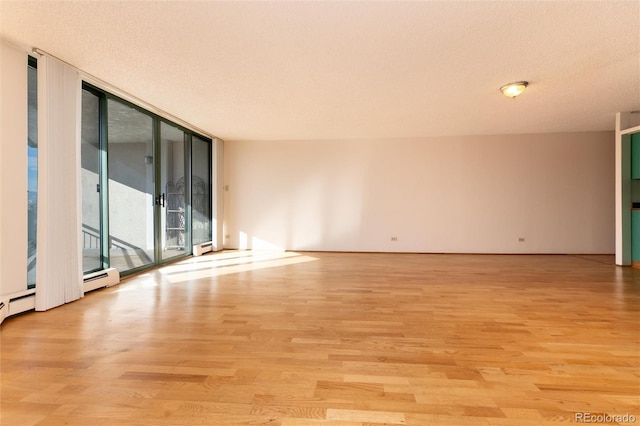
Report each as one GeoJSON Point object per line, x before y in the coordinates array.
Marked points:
{"type": "Point", "coordinates": [59, 267]}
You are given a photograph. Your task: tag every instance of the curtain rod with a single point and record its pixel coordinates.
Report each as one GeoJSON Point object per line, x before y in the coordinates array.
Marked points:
{"type": "Point", "coordinates": [90, 78]}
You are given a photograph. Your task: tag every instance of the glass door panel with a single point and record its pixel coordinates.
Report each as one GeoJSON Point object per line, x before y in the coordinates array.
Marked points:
{"type": "Point", "coordinates": [91, 206]}
{"type": "Point", "coordinates": [146, 186]}
{"type": "Point", "coordinates": [131, 186]}
{"type": "Point", "coordinates": [173, 205]}
{"type": "Point", "coordinates": [200, 190]}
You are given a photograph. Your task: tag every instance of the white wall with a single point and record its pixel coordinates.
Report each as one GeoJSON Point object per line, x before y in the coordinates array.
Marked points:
{"type": "Point", "coordinates": [475, 194]}
{"type": "Point", "coordinates": [13, 170]}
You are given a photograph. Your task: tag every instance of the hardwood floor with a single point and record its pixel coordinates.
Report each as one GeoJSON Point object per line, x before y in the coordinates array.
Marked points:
{"type": "Point", "coordinates": [333, 338]}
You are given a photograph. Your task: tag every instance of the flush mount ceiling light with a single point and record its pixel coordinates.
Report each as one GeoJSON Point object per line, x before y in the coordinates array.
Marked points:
{"type": "Point", "coordinates": [512, 90]}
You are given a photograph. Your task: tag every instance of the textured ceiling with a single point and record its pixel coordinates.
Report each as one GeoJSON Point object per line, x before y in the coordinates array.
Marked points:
{"type": "Point", "coordinates": [352, 69]}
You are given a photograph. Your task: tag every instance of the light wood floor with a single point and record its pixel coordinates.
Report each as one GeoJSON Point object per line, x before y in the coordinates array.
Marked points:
{"type": "Point", "coordinates": [332, 338]}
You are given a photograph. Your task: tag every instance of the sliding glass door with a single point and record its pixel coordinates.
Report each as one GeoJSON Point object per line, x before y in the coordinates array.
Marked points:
{"type": "Point", "coordinates": [92, 244]}
{"type": "Point", "coordinates": [131, 186]}
{"type": "Point", "coordinates": [146, 186]}
{"type": "Point", "coordinates": [173, 193]}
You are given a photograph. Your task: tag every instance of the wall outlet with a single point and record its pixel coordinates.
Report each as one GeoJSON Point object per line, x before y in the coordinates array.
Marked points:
{"type": "Point", "coordinates": [521, 239]}
{"type": "Point", "coordinates": [394, 238]}
{"type": "Point", "coordinates": [227, 236]}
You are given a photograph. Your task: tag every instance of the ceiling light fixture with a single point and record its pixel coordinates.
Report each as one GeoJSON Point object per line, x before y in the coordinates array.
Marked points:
{"type": "Point", "coordinates": [512, 90]}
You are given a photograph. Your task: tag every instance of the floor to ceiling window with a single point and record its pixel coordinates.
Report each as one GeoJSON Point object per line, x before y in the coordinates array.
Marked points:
{"type": "Point", "coordinates": [92, 250]}
{"type": "Point", "coordinates": [32, 169]}
{"type": "Point", "coordinates": [200, 190]}
{"type": "Point", "coordinates": [139, 180]}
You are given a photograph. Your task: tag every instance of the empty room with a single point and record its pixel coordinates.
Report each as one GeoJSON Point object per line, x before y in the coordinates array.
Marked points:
{"type": "Point", "coordinates": [319, 212]}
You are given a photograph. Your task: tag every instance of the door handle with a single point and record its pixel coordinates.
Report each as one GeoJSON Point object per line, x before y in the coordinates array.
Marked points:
{"type": "Point", "coordinates": [159, 200]}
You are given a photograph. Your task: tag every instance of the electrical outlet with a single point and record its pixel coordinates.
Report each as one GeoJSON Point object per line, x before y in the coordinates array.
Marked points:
{"type": "Point", "coordinates": [521, 240]}
{"type": "Point", "coordinates": [394, 238]}
{"type": "Point", "coordinates": [227, 236]}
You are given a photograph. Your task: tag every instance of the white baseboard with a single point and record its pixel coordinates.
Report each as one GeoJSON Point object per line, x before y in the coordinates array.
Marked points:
{"type": "Point", "coordinates": [25, 301]}
{"type": "Point", "coordinates": [100, 279]}
{"type": "Point", "coordinates": [17, 303]}
{"type": "Point", "coordinates": [23, 304]}
{"type": "Point", "coordinates": [4, 308]}
{"type": "Point", "coordinates": [200, 249]}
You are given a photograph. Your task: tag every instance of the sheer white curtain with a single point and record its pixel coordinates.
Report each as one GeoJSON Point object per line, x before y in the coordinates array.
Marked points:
{"type": "Point", "coordinates": [59, 265]}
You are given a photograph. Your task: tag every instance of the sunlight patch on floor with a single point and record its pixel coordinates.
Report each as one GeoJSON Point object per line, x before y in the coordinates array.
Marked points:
{"type": "Point", "coordinates": [229, 263]}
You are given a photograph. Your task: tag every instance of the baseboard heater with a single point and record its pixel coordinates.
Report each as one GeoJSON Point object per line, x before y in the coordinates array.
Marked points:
{"type": "Point", "coordinates": [104, 278]}
{"type": "Point", "coordinates": [17, 303]}
{"type": "Point", "coordinates": [200, 249]}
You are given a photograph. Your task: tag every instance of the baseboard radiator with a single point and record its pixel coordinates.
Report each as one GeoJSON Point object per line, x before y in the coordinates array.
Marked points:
{"type": "Point", "coordinates": [200, 249]}
{"type": "Point", "coordinates": [17, 304]}
{"type": "Point", "coordinates": [100, 279]}
{"type": "Point", "coordinates": [26, 301]}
